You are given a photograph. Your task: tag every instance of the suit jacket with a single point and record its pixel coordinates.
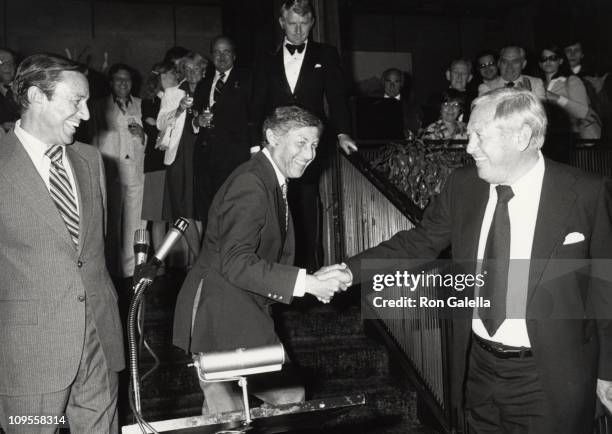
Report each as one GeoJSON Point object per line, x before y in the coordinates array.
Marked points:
{"type": "Point", "coordinates": [320, 76]}
{"type": "Point", "coordinates": [570, 354]}
{"type": "Point", "coordinates": [44, 278]}
{"type": "Point", "coordinates": [244, 266]}
{"type": "Point", "coordinates": [225, 145]}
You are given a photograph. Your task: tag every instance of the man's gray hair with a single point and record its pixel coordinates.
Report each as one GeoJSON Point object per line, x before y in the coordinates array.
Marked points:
{"type": "Point", "coordinates": [300, 7]}
{"type": "Point", "coordinates": [466, 62]}
{"type": "Point", "coordinates": [287, 118]}
{"type": "Point", "coordinates": [515, 107]}
{"type": "Point", "coordinates": [521, 51]}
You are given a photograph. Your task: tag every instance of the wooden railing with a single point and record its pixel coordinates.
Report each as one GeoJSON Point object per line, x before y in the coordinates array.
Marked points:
{"type": "Point", "coordinates": [371, 211]}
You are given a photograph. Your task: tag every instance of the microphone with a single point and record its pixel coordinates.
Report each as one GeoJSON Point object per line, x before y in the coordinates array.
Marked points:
{"type": "Point", "coordinates": [174, 234]}
{"type": "Point", "coordinates": [141, 246]}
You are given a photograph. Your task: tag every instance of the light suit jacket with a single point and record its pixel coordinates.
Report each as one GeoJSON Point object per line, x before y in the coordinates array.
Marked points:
{"type": "Point", "coordinates": [45, 279]}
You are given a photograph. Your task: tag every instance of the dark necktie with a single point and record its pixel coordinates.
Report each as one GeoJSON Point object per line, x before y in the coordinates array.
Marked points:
{"type": "Point", "coordinates": [510, 84]}
{"type": "Point", "coordinates": [284, 189]}
{"type": "Point", "coordinates": [496, 263]}
{"type": "Point", "coordinates": [219, 86]}
{"type": "Point", "coordinates": [293, 48]}
{"type": "Point", "coordinates": [62, 193]}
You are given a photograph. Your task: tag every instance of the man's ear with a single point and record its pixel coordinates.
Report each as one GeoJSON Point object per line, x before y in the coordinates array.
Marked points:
{"type": "Point", "coordinates": [470, 78]}
{"type": "Point", "coordinates": [35, 95]}
{"type": "Point", "coordinates": [523, 64]}
{"type": "Point", "coordinates": [281, 22]}
{"type": "Point", "coordinates": [523, 137]}
{"type": "Point", "coordinates": [270, 137]}
{"type": "Point", "coordinates": [448, 75]}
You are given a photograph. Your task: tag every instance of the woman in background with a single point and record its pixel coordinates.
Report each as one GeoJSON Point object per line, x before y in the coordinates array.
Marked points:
{"type": "Point", "coordinates": [448, 127]}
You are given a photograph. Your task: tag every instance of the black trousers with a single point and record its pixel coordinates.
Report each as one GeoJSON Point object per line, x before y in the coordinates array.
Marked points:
{"type": "Point", "coordinates": [505, 395]}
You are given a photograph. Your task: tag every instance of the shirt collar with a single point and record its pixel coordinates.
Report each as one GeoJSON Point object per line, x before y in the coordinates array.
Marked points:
{"type": "Point", "coordinates": [525, 184]}
{"type": "Point", "coordinates": [227, 73]}
{"type": "Point", "coordinates": [30, 141]}
{"type": "Point", "coordinates": [286, 41]}
{"type": "Point", "coordinates": [117, 100]}
{"type": "Point", "coordinates": [397, 97]}
{"type": "Point", "coordinates": [279, 175]}
{"type": "Point", "coordinates": [576, 69]}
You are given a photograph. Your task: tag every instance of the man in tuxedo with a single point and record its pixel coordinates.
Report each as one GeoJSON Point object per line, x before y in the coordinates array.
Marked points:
{"type": "Point", "coordinates": [512, 61]}
{"type": "Point", "coordinates": [60, 331]}
{"type": "Point", "coordinates": [9, 112]}
{"type": "Point", "coordinates": [222, 125]}
{"type": "Point", "coordinates": [246, 262]}
{"type": "Point", "coordinates": [533, 362]}
{"type": "Point", "coordinates": [305, 73]}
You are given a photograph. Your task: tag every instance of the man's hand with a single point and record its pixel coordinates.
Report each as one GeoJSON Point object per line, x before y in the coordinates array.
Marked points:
{"type": "Point", "coordinates": [204, 119]}
{"type": "Point", "coordinates": [336, 271]}
{"type": "Point", "coordinates": [604, 392]}
{"type": "Point", "coordinates": [324, 288]}
{"type": "Point", "coordinates": [347, 144]}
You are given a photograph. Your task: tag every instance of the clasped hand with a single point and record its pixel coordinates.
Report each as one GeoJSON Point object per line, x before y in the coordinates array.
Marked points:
{"type": "Point", "coordinates": [326, 282]}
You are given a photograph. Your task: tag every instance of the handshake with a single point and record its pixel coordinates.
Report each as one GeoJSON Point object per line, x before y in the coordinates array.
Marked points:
{"type": "Point", "coordinates": [328, 280]}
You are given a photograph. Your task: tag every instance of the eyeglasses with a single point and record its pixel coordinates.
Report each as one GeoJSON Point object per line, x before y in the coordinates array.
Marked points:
{"type": "Point", "coordinates": [551, 58]}
{"type": "Point", "coordinates": [453, 104]}
{"type": "Point", "coordinates": [486, 65]}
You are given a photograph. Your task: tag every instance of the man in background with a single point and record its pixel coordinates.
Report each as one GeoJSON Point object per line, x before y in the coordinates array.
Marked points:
{"type": "Point", "coordinates": [9, 111]}
{"type": "Point", "coordinates": [511, 63]}
{"type": "Point", "coordinates": [60, 331]}
{"type": "Point", "coordinates": [486, 62]}
{"type": "Point", "coordinates": [119, 135]}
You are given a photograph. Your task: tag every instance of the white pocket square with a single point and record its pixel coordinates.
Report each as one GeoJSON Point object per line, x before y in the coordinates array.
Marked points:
{"type": "Point", "coordinates": [318, 65]}
{"type": "Point", "coordinates": [573, 238]}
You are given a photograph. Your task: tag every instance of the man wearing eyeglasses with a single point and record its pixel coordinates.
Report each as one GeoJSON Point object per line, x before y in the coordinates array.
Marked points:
{"type": "Point", "coordinates": [511, 63]}
{"type": "Point", "coordinates": [487, 67]}
{"type": "Point", "coordinates": [9, 111]}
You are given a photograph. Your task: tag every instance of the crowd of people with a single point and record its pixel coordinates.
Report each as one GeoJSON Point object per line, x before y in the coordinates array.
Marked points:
{"type": "Point", "coordinates": [204, 143]}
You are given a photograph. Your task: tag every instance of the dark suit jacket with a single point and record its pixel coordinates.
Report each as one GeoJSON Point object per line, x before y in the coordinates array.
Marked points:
{"type": "Point", "coordinates": [244, 266]}
{"type": "Point", "coordinates": [320, 76]}
{"type": "Point", "coordinates": [224, 146]}
{"type": "Point", "coordinates": [570, 354]}
{"type": "Point", "coordinates": [42, 319]}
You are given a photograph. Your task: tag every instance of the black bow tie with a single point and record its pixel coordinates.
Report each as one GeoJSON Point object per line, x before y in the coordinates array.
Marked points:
{"type": "Point", "coordinates": [292, 48]}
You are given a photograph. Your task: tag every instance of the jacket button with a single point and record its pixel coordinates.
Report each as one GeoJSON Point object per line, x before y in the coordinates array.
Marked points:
{"type": "Point", "coordinates": [81, 298]}
{"type": "Point", "coordinates": [79, 264]}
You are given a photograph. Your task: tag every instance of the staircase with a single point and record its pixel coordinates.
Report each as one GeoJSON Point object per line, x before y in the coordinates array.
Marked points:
{"type": "Point", "coordinates": [327, 342]}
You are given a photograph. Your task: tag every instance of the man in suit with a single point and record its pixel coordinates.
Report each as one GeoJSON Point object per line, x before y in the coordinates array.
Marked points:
{"type": "Point", "coordinates": [119, 135]}
{"type": "Point", "coordinates": [9, 112]}
{"type": "Point", "coordinates": [458, 75]}
{"type": "Point", "coordinates": [60, 331]}
{"type": "Point", "coordinates": [305, 73]}
{"type": "Point", "coordinates": [522, 369]}
{"type": "Point", "coordinates": [512, 61]}
{"type": "Point", "coordinates": [246, 263]}
{"type": "Point", "coordinates": [222, 125]}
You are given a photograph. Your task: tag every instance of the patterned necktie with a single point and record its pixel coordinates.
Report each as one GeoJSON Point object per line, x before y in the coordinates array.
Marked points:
{"type": "Point", "coordinates": [496, 263]}
{"type": "Point", "coordinates": [62, 192]}
{"type": "Point", "coordinates": [293, 48]}
{"type": "Point", "coordinates": [219, 86]}
{"type": "Point", "coordinates": [284, 189]}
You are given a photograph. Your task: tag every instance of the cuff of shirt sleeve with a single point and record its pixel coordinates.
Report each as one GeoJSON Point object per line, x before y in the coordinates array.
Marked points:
{"type": "Point", "coordinates": [300, 284]}
{"type": "Point", "coordinates": [255, 149]}
{"type": "Point", "coordinates": [563, 101]}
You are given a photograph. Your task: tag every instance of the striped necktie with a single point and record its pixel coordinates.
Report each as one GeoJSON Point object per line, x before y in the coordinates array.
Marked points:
{"type": "Point", "coordinates": [284, 189]}
{"type": "Point", "coordinates": [62, 193]}
{"type": "Point", "coordinates": [219, 86]}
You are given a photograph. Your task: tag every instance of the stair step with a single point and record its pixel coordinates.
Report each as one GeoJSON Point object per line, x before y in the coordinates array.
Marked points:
{"type": "Point", "coordinates": [340, 358]}
{"type": "Point", "coordinates": [319, 322]}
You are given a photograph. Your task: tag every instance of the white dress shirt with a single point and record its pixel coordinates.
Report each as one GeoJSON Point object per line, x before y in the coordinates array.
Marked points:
{"type": "Point", "coordinates": [36, 151]}
{"type": "Point", "coordinates": [397, 97]}
{"type": "Point", "coordinates": [523, 212]}
{"type": "Point", "coordinates": [300, 283]}
{"type": "Point", "coordinates": [293, 64]}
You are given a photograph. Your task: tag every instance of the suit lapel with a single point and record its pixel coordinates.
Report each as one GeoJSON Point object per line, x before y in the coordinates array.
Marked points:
{"type": "Point", "coordinates": [17, 167]}
{"type": "Point", "coordinates": [82, 176]}
{"type": "Point", "coordinates": [473, 208]}
{"type": "Point", "coordinates": [556, 201]}
{"type": "Point", "coordinates": [307, 66]}
{"type": "Point", "coordinates": [280, 70]}
{"type": "Point", "coordinates": [275, 192]}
